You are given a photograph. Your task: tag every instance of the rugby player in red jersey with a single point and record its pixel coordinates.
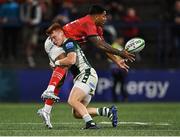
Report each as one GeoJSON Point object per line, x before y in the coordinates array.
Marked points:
{"type": "Point", "coordinates": [90, 29]}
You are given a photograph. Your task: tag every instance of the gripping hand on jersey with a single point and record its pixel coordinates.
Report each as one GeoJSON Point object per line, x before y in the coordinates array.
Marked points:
{"type": "Point", "coordinates": [52, 65]}
{"type": "Point", "coordinates": [57, 63]}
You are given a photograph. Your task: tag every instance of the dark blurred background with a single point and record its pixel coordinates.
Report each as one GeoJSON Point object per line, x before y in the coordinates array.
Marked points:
{"type": "Point", "coordinates": [22, 35]}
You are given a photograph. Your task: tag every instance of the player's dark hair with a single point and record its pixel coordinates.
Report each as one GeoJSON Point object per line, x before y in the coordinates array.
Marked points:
{"type": "Point", "coordinates": [54, 26]}
{"type": "Point", "coordinates": [96, 9]}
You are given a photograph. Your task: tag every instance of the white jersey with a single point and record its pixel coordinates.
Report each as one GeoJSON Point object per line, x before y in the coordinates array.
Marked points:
{"type": "Point", "coordinates": [52, 50]}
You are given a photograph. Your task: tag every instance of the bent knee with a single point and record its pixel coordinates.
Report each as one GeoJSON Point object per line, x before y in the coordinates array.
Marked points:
{"type": "Point", "coordinates": [76, 114]}
{"type": "Point", "coordinates": [71, 102]}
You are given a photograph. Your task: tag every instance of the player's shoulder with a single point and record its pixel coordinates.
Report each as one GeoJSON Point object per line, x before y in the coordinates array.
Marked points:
{"type": "Point", "coordinates": [87, 17]}
{"type": "Point", "coordinates": [69, 44]}
{"type": "Point", "coordinates": [48, 44]}
{"type": "Point", "coordinates": [48, 41]}
{"type": "Point", "coordinates": [69, 40]}
{"type": "Point", "coordinates": [86, 20]}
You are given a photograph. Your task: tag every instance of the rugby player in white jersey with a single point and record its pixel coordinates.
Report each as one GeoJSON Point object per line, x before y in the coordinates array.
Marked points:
{"type": "Point", "coordinates": [85, 80]}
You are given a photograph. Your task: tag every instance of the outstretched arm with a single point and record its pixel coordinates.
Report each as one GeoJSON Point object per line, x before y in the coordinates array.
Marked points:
{"type": "Point", "coordinates": [101, 44]}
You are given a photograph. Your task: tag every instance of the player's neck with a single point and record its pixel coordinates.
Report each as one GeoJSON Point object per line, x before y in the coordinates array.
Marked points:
{"type": "Point", "coordinates": [65, 40]}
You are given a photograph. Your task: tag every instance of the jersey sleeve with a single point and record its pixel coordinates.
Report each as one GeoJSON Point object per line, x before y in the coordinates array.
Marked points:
{"type": "Point", "coordinates": [48, 45]}
{"type": "Point", "coordinates": [52, 50]}
{"type": "Point", "coordinates": [69, 47]}
{"type": "Point", "coordinates": [55, 52]}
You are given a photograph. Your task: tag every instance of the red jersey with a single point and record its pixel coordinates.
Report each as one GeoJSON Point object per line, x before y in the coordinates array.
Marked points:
{"type": "Point", "coordinates": [81, 28]}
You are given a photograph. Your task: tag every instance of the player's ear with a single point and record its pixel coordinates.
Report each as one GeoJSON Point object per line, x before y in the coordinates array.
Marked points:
{"type": "Point", "coordinates": [96, 17]}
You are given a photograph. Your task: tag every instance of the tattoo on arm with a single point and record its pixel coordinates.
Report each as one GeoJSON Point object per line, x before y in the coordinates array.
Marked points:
{"type": "Point", "coordinates": [101, 44]}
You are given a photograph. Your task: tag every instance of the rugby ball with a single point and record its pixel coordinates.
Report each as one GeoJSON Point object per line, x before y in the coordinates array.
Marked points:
{"type": "Point", "coordinates": [135, 45]}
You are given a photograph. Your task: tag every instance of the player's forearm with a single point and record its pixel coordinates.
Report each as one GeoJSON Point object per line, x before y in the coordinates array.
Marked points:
{"type": "Point", "coordinates": [64, 62]}
{"type": "Point", "coordinates": [107, 48]}
{"type": "Point", "coordinates": [111, 57]}
{"type": "Point", "coordinates": [102, 45]}
{"type": "Point", "coordinates": [70, 59]}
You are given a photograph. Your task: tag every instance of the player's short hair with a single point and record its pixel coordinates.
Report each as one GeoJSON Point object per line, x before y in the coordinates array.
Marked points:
{"type": "Point", "coordinates": [53, 27]}
{"type": "Point", "coordinates": [96, 9]}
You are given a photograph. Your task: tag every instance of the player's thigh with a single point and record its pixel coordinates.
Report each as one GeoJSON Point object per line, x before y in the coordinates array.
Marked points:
{"type": "Point", "coordinates": [76, 94]}
{"type": "Point", "coordinates": [86, 89]}
{"type": "Point", "coordinates": [80, 92]}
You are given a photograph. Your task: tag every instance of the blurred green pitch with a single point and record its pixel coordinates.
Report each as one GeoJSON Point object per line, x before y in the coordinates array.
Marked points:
{"type": "Point", "coordinates": [135, 119]}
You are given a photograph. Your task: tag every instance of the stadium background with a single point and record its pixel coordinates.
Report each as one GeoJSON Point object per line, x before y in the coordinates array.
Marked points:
{"type": "Point", "coordinates": [153, 82]}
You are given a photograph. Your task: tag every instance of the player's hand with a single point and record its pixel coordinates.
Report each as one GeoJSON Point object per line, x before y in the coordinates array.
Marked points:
{"type": "Point", "coordinates": [57, 63]}
{"type": "Point", "coordinates": [122, 64]}
{"type": "Point", "coordinates": [126, 55]}
{"type": "Point", "coordinates": [51, 65]}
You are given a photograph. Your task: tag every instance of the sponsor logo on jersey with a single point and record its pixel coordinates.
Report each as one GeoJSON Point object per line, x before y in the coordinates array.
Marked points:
{"type": "Point", "coordinates": [92, 85]}
{"type": "Point", "coordinates": [69, 45]}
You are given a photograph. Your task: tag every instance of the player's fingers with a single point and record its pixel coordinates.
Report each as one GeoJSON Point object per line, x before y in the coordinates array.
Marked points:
{"type": "Point", "coordinates": [132, 55]}
{"type": "Point", "coordinates": [126, 69]}
{"type": "Point", "coordinates": [125, 60]}
{"type": "Point", "coordinates": [126, 66]}
{"type": "Point", "coordinates": [131, 59]}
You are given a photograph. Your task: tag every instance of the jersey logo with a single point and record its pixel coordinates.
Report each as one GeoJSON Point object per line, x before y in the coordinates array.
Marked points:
{"type": "Point", "coordinates": [92, 85]}
{"type": "Point", "coordinates": [69, 45]}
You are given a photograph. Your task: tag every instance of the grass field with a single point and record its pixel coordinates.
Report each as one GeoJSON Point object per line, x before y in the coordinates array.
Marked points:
{"type": "Point", "coordinates": [135, 119]}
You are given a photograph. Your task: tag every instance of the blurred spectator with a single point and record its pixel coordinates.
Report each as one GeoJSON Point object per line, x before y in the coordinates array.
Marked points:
{"type": "Point", "coordinates": [66, 12]}
{"type": "Point", "coordinates": [31, 15]}
{"type": "Point", "coordinates": [110, 33]}
{"type": "Point", "coordinates": [2, 1]}
{"type": "Point", "coordinates": [47, 12]}
{"type": "Point", "coordinates": [131, 19]}
{"type": "Point", "coordinates": [115, 8]}
{"type": "Point", "coordinates": [118, 74]}
{"type": "Point", "coordinates": [9, 19]}
{"type": "Point", "coordinates": [176, 29]}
